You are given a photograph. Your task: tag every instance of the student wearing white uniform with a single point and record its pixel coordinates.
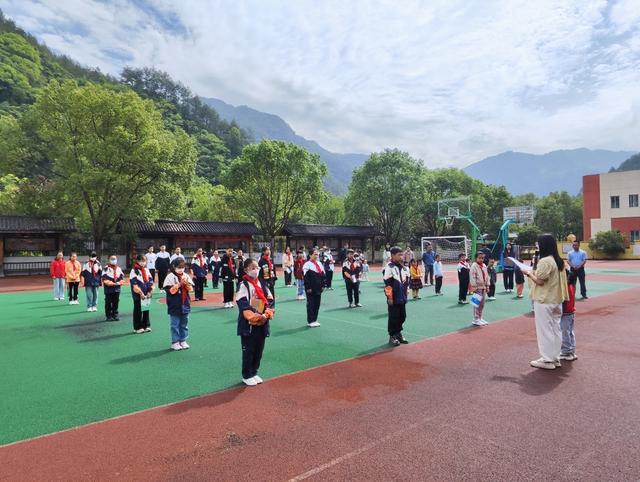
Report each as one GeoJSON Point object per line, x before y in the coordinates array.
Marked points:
{"type": "Point", "coordinates": [162, 264]}
{"type": "Point", "coordinates": [313, 286]}
{"type": "Point", "coordinates": [177, 254]}
{"type": "Point", "coordinates": [549, 291]}
{"type": "Point", "coordinates": [151, 261]}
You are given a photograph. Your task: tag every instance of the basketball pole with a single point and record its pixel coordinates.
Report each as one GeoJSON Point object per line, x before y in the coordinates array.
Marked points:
{"type": "Point", "coordinates": [475, 232]}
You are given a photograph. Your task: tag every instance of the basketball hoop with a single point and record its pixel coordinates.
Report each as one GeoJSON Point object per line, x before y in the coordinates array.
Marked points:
{"type": "Point", "coordinates": [448, 220]}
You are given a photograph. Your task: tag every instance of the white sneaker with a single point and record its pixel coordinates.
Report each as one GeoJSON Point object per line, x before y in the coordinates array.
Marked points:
{"type": "Point", "coordinates": [477, 323]}
{"type": "Point", "coordinates": [350, 305]}
{"type": "Point", "coordinates": [141, 330]}
{"type": "Point", "coordinates": [56, 299]}
{"type": "Point", "coordinates": [184, 345]}
{"type": "Point", "coordinates": [148, 329]}
{"type": "Point", "coordinates": [251, 382]}
{"type": "Point", "coordinates": [569, 357]}
{"type": "Point", "coordinates": [89, 309]}
{"type": "Point", "coordinates": [360, 306]}
{"type": "Point", "coordinates": [540, 363]}
{"type": "Point", "coordinates": [95, 308]}
{"type": "Point", "coordinates": [483, 321]}
{"type": "Point", "coordinates": [176, 346]}
{"type": "Point", "coordinates": [62, 299]}
{"type": "Point", "coordinates": [315, 324]}
{"type": "Point", "coordinates": [258, 379]}
{"type": "Point", "coordinates": [491, 298]}
{"type": "Point", "coordinates": [71, 302]}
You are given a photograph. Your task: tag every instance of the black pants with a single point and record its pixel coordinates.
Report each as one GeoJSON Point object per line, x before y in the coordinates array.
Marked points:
{"type": "Point", "coordinates": [428, 274]}
{"type": "Point", "coordinates": [140, 318]}
{"type": "Point", "coordinates": [162, 274]}
{"type": "Point", "coordinates": [272, 287]}
{"type": "Point", "coordinates": [438, 284]}
{"type": "Point", "coordinates": [313, 306]}
{"type": "Point", "coordinates": [215, 278]}
{"type": "Point", "coordinates": [463, 289]}
{"type": "Point", "coordinates": [252, 348]}
{"type": "Point", "coordinates": [580, 275]}
{"type": "Point", "coordinates": [353, 291]}
{"type": "Point", "coordinates": [73, 290]}
{"type": "Point", "coordinates": [153, 275]}
{"type": "Point", "coordinates": [111, 301]}
{"type": "Point", "coordinates": [328, 278]}
{"type": "Point", "coordinates": [227, 291]}
{"type": "Point", "coordinates": [199, 288]}
{"type": "Point", "coordinates": [397, 315]}
{"type": "Point", "coordinates": [287, 277]}
{"type": "Point", "coordinates": [507, 278]}
{"type": "Point", "coordinates": [492, 290]}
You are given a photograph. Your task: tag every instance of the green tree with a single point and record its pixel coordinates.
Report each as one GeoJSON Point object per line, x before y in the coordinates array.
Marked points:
{"type": "Point", "coordinates": [274, 182]}
{"type": "Point", "coordinates": [528, 235]}
{"type": "Point", "coordinates": [20, 69]}
{"type": "Point", "coordinates": [112, 152]}
{"type": "Point", "coordinates": [329, 210]}
{"type": "Point", "coordinates": [560, 214]}
{"type": "Point", "coordinates": [212, 155]}
{"type": "Point", "coordinates": [611, 243]}
{"type": "Point", "coordinates": [210, 203]}
{"type": "Point", "coordinates": [383, 192]}
{"type": "Point", "coordinates": [12, 146]}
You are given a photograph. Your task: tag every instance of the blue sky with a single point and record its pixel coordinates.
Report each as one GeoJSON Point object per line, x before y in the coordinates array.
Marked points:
{"type": "Point", "coordinates": [449, 81]}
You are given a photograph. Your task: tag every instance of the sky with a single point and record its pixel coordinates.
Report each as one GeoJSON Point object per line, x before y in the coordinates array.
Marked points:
{"type": "Point", "coordinates": [449, 81]}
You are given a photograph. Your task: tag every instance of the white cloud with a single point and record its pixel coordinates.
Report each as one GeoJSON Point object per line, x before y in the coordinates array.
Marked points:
{"type": "Point", "coordinates": [449, 81]}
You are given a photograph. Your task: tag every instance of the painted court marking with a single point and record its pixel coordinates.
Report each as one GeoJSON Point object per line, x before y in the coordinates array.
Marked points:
{"type": "Point", "coordinates": [361, 450]}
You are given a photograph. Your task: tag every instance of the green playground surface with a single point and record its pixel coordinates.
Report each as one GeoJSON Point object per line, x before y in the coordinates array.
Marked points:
{"type": "Point", "coordinates": [63, 367]}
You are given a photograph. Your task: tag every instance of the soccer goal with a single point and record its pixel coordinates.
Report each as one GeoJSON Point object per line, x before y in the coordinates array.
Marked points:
{"type": "Point", "coordinates": [448, 247]}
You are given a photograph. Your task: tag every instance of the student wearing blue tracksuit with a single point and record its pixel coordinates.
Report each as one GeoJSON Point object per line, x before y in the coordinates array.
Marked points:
{"type": "Point", "coordinates": [255, 309]}
{"type": "Point", "coordinates": [178, 285]}
{"type": "Point", "coordinates": [199, 273]}
{"type": "Point", "coordinates": [141, 281]}
{"type": "Point", "coordinates": [396, 286]}
{"type": "Point", "coordinates": [92, 279]}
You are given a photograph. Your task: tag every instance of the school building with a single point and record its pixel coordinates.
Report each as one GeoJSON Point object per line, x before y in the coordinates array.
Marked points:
{"type": "Point", "coordinates": [333, 236]}
{"type": "Point", "coordinates": [611, 203]}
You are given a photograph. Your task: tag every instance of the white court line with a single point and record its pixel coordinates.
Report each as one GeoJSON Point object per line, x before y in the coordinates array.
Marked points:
{"type": "Point", "coordinates": [355, 453]}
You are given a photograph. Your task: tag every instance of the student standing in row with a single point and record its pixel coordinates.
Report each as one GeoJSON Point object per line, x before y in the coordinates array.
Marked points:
{"type": "Point", "coordinates": [493, 278]}
{"type": "Point", "coordinates": [416, 282]}
{"type": "Point", "coordinates": [141, 283]}
{"type": "Point", "coordinates": [508, 268]}
{"type": "Point", "coordinates": [162, 264]}
{"type": "Point", "coordinates": [112, 278]}
{"type": "Point", "coordinates": [328, 264]}
{"type": "Point", "coordinates": [92, 277]}
{"type": "Point", "coordinates": [463, 279]}
{"type": "Point", "coordinates": [255, 306]}
{"type": "Point", "coordinates": [287, 266]}
{"type": "Point", "coordinates": [199, 273]}
{"type": "Point", "coordinates": [56, 269]}
{"type": "Point", "coordinates": [396, 286]}
{"type": "Point", "coordinates": [239, 265]}
{"type": "Point", "coordinates": [228, 275]}
{"type": "Point", "coordinates": [298, 273]}
{"type": "Point", "coordinates": [313, 286]}
{"type": "Point", "coordinates": [351, 269]}
{"type": "Point", "coordinates": [479, 280]}
{"type": "Point", "coordinates": [177, 254]}
{"type": "Point", "coordinates": [267, 270]}
{"type": "Point", "coordinates": [151, 261]}
{"type": "Point", "coordinates": [438, 274]}
{"type": "Point", "coordinates": [72, 270]}
{"type": "Point", "coordinates": [215, 263]}
{"type": "Point", "coordinates": [178, 285]}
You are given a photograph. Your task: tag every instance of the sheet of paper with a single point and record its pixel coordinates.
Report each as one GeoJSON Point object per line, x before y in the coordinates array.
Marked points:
{"type": "Point", "coordinates": [525, 268]}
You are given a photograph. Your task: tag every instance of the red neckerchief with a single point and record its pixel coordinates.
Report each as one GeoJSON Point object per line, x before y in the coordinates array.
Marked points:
{"type": "Point", "coordinates": [231, 265]}
{"type": "Point", "coordinates": [315, 263]}
{"type": "Point", "coordinates": [484, 277]}
{"type": "Point", "coordinates": [115, 271]}
{"type": "Point", "coordinates": [257, 288]}
{"type": "Point", "coordinates": [92, 264]}
{"type": "Point", "coordinates": [268, 259]}
{"type": "Point", "coordinates": [144, 272]}
{"type": "Point", "coordinates": [74, 263]}
{"type": "Point", "coordinates": [201, 260]}
{"type": "Point", "coordinates": [352, 267]}
{"type": "Point", "coordinates": [183, 291]}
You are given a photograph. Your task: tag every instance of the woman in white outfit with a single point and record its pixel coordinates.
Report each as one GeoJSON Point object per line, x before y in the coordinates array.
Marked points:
{"type": "Point", "coordinates": [549, 290]}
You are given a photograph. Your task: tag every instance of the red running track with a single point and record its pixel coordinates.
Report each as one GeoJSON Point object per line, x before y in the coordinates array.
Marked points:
{"type": "Point", "coordinates": [462, 406]}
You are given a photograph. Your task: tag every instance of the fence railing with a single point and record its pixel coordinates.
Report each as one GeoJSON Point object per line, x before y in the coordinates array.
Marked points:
{"type": "Point", "coordinates": [26, 267]}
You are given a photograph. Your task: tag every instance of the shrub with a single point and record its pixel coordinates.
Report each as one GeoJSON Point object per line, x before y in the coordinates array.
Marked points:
{"type": "Point", "coordinates": [611, 243]}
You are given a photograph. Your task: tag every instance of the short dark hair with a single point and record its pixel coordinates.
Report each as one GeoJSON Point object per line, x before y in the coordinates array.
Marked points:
{"type": "Point", "coordinates": [177, 263]}
{"type": "Point", "coordinates": [93, 254]}
{"type": "Point", "coordinates": [396, 250]}
{"type": "Point", "coordinates": [248, 262]}
{"type": "Point", "coordinates": [264, 248]}
{"type": "Point", "coordinates": [140, 257]}
{"type": "Point", "coordinates": [462, 255]}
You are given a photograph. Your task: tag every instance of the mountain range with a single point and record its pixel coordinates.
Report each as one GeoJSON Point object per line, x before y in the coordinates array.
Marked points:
{"type": "Point", "coordinates": [269, 126]}
{"type": "Point", "coordinates": [520, 172]}
{"type": "Point", "coordinates": [541, 174]}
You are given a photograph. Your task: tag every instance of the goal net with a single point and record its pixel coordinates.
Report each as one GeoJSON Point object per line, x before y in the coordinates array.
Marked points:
{"type": "Point", "coordinates": [448, 247]}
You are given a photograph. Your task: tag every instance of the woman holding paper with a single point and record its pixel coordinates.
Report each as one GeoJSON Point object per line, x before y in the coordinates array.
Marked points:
{"type": "Point", "coordinates": [548, 293]}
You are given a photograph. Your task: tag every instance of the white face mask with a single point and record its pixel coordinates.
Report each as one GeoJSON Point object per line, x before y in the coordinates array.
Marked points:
{"type": "Point", "coordinates": [93, 258]}
{"type": "Point", "coordinates": [254, 273]}
{"type": "Point", "coordinates": [113, 261]}
{"type": "Point", "coordinates": [179, 270]}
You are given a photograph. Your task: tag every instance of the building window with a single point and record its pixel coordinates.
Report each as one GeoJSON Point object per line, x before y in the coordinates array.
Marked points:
{"type": "Point", "coordinates": [633, 200]}
{"type": "Point", "coordinates": [615, 202]}
{"type": "Point", "coordinates": [634, 235]}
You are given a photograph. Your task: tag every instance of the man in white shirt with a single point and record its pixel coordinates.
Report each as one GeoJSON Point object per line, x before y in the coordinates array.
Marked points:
{"type": "Point", "coordinates": [151, 261]}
